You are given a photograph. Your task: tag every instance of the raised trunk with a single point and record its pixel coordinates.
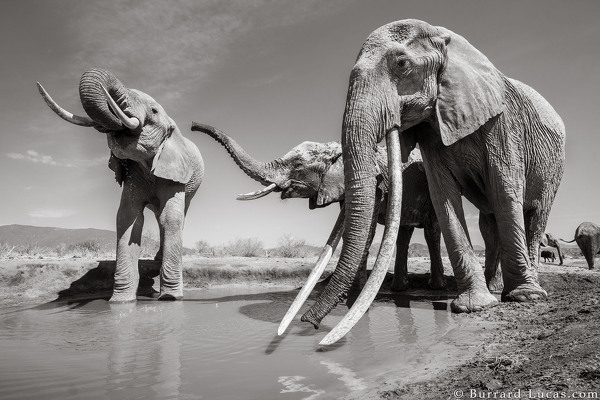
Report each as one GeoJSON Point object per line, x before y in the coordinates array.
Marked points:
{"type": "Point", "coordinates": [359, 134]}
{"type": "Point", "coordinates": [94, 101]}
{"type": "Point", "coordinates": [266, 173]}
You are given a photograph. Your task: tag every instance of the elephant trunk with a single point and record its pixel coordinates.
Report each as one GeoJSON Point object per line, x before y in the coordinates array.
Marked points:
{"type": "Point", "coordinates": [362, 127]}
{"type": "Point", "coordinates": [275, 171]}
{"type": "Point", "coordinates": [93, 97]}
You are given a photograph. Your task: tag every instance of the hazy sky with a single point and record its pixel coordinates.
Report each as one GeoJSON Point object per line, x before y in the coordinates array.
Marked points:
{"type": "Point", "coordinates": [271, 74]}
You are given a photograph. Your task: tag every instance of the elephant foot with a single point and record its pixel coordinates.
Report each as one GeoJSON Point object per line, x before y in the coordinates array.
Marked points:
{"type": "Point", "coordinates": [472, 301]}
{"type": "Point", "coordinates": [437, 283]}
{"type": "Point", "coordinates": [495, 286]}
{"type": "Point", "coordinates": [399, 285]}
{"type": "Point", "coordinates": [170, 295]}
{"type": "Point", "coordinates": [525, 292]}
{"type": "Point", "coordinates": [122, 297]}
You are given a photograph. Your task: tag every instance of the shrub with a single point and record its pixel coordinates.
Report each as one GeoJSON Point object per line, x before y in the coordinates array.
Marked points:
{"type": "Point", "coordinates": [204, 249]}
{"type": "Point", "coordinates": [289, 247]}
{"type": "Point", "coordinates": [5, 250]}
{"type": "Point", "coordinates": [248, 247]}
{"type": "Point", "coordinates": [88, 248]}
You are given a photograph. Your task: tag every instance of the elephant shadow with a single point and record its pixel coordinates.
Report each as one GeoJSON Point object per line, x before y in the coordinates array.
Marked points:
{"type": "Point", "coordinates": [97, 283]}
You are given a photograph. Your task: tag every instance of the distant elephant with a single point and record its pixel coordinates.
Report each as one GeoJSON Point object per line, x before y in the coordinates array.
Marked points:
{"type": "Point", "coordinates": [484, 136]}
{"type": "Point", "coordinates": [548, 240]}
{"type": "Point", "coordinates": [316, 171]}
{"type": "Point", "coordinates": [587, 236]}
{"type": "Point", "coordinates": [157, 167]}
{"type": "Point", "coordinates": [548, 255]}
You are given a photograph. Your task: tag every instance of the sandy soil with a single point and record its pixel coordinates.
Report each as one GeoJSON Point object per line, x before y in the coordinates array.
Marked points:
{"type": "Point", "coordinates": [545, 349]}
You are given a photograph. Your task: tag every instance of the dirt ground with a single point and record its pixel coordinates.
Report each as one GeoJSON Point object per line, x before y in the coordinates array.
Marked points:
{"type": "Point", "coordinates": [545, 349]}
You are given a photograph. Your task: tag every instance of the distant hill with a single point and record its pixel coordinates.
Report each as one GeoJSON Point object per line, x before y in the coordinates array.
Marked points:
{"type": "Point", "coordinates": [23, 235]}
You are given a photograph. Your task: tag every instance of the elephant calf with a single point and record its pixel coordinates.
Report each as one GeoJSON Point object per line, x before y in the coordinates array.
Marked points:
{"type": "Point", "coordinates": [548, 255]}
{"type": "Point", "coordinates": [156, 166]}
{"type": "Point", "coordinates": [315, 171]}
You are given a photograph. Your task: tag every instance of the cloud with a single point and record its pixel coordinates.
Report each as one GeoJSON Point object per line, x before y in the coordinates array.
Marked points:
{"type": "Point", "coordinates": [36, 157]}
{"type": "Point", "coordinates": [165, 43]}
{"type": "Point", "coordinates": [50, 213]}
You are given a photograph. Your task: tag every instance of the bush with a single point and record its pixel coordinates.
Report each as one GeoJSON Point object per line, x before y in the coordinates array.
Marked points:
{"type": "Point", "coordinates": [204, 249]}
{"type": "Point", "coordinates": [289, 247]}
{"type": "Point", "coordinates": [5, 250]}
{"type": "Point", "coordinates": [248, 247]}
{"type": "Point", "coordinates": [88, 248]}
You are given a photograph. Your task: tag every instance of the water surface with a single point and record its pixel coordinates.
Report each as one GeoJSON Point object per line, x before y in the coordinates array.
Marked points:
{"type": "Point", "coordinates": [216, 344]}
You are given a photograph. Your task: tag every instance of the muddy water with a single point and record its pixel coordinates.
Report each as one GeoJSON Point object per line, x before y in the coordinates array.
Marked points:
{"type": "Point", "coordinates": [215, 344]}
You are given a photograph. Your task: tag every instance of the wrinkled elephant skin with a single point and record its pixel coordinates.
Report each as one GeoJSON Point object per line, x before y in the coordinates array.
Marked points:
{"type": "Point", "coordinates": [157, 167]}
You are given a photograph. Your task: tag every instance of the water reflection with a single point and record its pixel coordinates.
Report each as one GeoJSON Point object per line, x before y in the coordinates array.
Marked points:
{"type": "Point", "coordinates": [212, 345]}
{"type": "Point", "coordinates": [145, 357]}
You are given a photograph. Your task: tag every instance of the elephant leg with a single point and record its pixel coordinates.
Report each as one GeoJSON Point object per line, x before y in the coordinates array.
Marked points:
{"type": "Point", "coordinates": [159, 253]}
{"type": "Point", "coordinates": [171, 219]}
{"type": "Point", "coordinates": [433, 236]}
{"type": "Point", "coordinates": [130, 221]}
{"type": "Point", "coordinates": [520, 234]}
{"type": "Point", "coordinates": [473, 294]}
{"type": "Point", "coordinates": [588, 250]}
{"type": "Point", "coordinates": [400, 281]}
{"type": "Point", "coordinates": [489, 232]}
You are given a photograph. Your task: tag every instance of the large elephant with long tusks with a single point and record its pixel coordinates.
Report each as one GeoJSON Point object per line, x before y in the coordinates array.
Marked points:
{"type": "Point", "coordinates": [315, 171]}
{"type": "Point", "coordinates": [156, 166]}
{"type": "Point", "coordinates": [482, 135]}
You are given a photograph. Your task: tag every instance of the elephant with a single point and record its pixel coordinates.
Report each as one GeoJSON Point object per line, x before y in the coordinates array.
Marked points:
{"type": "Point", "coordinates": [157, 167]}
{"type": "Point", "coordinates": [548, 240]}
{"type": "Point", "coordinates": [548, 255]}
{"type": "Point", "coordinates": [587, 236]}
{"type": "Point", "coordinates": [315, 171]}
{"type": "Point", "coordinates": [484, 136]}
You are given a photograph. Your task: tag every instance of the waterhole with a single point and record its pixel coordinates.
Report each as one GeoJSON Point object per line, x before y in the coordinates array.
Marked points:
{"type": "Point", "coordinates": [216, 344]}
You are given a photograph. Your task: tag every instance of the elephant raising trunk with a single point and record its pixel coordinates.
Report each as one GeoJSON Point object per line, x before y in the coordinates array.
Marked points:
{"type": "Point", "coordinates": [157, 167]}
{"type": "Point", "coordinates": [286, 174]}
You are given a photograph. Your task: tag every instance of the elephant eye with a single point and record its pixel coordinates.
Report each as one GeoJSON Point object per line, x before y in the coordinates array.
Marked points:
{"type": "Point", "coordinates": [154, 110]}
{"type": "Point", "coordinates": [402, 62]}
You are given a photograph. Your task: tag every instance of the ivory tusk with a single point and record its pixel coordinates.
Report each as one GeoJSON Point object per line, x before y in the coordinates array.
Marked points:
{"type": "Point", "coordinates": [64, 114]}
{"type": "Point", "coordinates": [386, 250]}
{"type": "Point", "coordinates": [129, 122]}
{"type": "Point", "coordinates": [258, 194]}
{"type": "Point", "coordinates": [313, 278]}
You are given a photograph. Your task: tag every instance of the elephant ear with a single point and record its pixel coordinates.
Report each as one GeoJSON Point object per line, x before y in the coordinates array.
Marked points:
{"type": "Point", "coordinates": [470, 90]}
{"type": "Point", "coordinates": [332, 186]}
{"type": "Point", "coordinates": [174, 160]}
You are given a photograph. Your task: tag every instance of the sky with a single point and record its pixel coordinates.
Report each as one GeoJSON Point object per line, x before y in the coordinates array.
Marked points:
{"type": "Point", "coordinates": [271, 74]}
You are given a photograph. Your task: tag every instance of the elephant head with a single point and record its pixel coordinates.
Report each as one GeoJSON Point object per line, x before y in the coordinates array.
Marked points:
{"type": "Point", "coordinates": [411, 81]}
{"type": "Point", "coordinates": [310, 170]}
{"type": "Point", "coordinates": [137, 127]}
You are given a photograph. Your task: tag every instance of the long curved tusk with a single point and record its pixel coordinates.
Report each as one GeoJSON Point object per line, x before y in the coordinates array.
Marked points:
{"type": "Point", "coordinates": [386, 251]}
{"type": "Point", "coordinates": [258, 194]}
{"type": "Point", "coordinates": [64, 114]}
{"type": "Point", "coordinates": [129, 122]}
{"type": "Point", "coordinates": [313, 278]}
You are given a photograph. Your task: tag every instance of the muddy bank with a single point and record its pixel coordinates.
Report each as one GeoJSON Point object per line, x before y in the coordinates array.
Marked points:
{"type": "Point", "coordinates": [24, 281]}
{"type": "Point", "coordinates": [548, 348]}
